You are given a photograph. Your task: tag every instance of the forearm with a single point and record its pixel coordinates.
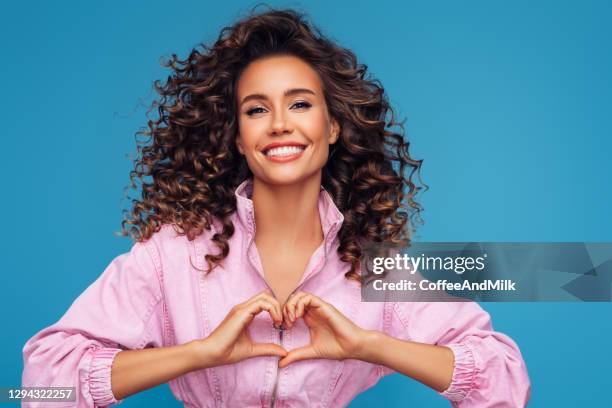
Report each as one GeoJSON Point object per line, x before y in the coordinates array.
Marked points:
{"type": "Point", "coordinates": [426, 363]}
{"type": "Point", "coordinates": [137, 370]}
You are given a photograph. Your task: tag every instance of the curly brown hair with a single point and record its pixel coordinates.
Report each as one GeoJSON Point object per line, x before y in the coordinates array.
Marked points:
{"type": "Point", "coordinates": [189, 165]}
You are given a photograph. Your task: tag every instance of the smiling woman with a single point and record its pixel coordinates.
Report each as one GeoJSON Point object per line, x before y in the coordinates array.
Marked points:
{"type": "Point", "coordinates": [274, 160]}
{"type": "Point", "coordinates": [290, 121]}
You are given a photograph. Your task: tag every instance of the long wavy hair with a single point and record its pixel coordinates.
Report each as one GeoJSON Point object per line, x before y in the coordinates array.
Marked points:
{"type": "Point", "coordinates": [189, 166]}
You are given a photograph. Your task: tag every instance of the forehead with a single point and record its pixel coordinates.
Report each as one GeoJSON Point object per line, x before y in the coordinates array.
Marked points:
{"type": "Point", "coordinates": [273, 75]}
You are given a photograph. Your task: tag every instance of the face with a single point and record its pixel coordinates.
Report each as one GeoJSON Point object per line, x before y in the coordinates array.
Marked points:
{"type": "Point", "coordinates": [284, 125]}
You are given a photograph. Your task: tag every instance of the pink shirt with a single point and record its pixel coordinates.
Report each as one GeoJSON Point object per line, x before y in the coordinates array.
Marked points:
{"type": "Point", "coordinates": [153, 297]}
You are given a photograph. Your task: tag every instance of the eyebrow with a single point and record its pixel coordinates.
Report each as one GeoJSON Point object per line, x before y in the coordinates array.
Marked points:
{"type": "Point", "coordinates": [288, 92]}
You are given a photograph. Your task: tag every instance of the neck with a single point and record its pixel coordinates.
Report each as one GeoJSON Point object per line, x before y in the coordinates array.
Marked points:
{"type": "Point", "coordinates": [288, 215]}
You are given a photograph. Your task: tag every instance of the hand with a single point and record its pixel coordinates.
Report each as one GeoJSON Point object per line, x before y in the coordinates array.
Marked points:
{"type": "Point", "coordinates": [230, 342]}
{"type": "Point", "coordinates": [332, 335]}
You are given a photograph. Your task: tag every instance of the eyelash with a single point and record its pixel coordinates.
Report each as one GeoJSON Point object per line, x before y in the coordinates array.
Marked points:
{"type": "Point", "coordinates": [251, 112]}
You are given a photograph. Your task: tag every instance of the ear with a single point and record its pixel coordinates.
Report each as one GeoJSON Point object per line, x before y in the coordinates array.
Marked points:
{"type": "Point", "coordinates": [239, 144]}
{"type": "Point", "coordinates": [334, 134]}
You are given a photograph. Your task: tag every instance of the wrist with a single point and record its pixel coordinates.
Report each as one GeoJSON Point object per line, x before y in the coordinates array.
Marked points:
{"type": "Point", "coordinates": [372, 340]}
{"type": "Point", "coordinates": [200, 355]}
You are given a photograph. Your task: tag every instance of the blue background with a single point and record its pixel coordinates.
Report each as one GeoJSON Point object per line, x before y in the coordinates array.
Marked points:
{"type": "Point", "coordinates": [507, 102]}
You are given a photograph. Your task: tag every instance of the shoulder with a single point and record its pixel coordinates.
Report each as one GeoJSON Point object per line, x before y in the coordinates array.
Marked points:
{"type": "Point", "coordinates": [167, 234]}
{"type": "Point", "coordinates": [167, 239]}
{"type": "Point", "coordinates": [173, 248]}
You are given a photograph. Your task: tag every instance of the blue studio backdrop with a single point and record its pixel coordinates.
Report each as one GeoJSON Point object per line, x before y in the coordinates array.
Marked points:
{"type": "Point", "coordinates": [508, 103]}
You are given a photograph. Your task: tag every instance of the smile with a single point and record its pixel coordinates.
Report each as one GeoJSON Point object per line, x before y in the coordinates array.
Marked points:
{"type": "Point", "coordinates": [284, 153]}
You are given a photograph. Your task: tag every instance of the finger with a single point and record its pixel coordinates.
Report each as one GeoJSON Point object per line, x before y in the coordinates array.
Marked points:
{"type": "Point", "coordinates": [286, 314]}
{"type": "Point", "coordinates": [291, 306]}
{"type": "Point", "coordinates": [257, 307]}
{"type": "Point", "coordinates": [312, 302]}
{"type": "Point", "coordinates": [298, 354]}
{"type": "Point", "coordinates": [252, 299]}
{"type": "Point", "coordinates": [268, 349]}
{"type": "Point", "coordinates": [269, 298]}
{"type": "Point", "coordinates": [286, 309]}
{"type": "Point", "coordinates": [260, 296]}
{"type": "Point", "coordinates": [298, 298]}
{"type": "Point", "coordinates": [304, 302]}
{"type": "Point", "coordinates": [275, 312]}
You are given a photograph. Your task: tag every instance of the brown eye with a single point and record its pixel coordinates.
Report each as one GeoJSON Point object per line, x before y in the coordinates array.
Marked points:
{"type": "Point", "coordinates": [301, 105]}
{"type": "Point", "coordinates": [253, 111]}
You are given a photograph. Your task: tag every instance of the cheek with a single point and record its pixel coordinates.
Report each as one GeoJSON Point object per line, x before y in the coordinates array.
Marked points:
{"type": "Point", "coordinates": [322, 153]}
{"type": "Point", "coordinates": [248, 135]}
{"type": "Point", "coordinates": [316, 127]}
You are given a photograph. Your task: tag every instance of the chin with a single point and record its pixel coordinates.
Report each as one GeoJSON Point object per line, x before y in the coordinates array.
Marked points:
{"type": "Point", "coordinates": [286, 179]}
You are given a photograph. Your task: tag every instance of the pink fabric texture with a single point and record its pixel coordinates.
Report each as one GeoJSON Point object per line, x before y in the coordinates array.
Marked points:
{"type": "Point", "coordinates": [99, 376]}
{"type": "Point", "coordinates": [154, 296]}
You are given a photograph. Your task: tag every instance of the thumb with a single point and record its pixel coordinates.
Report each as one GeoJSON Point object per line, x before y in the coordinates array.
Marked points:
{"type": "Point", "coordinates": [298, 354]}
{"type": "Point", "coordinates": [268, 349]}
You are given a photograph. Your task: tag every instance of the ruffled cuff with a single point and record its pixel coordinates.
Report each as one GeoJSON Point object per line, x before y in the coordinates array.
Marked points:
{"type": "Point", "coordinates": [464, 373]}
{"type": "Point", "coordinates": [100, 377]}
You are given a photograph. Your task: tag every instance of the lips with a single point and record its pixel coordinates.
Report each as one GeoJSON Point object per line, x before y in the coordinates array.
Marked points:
{"type": "Point", "coordinates": [280, 152]}
{"type": "Point", "coordinates": [282, 144]}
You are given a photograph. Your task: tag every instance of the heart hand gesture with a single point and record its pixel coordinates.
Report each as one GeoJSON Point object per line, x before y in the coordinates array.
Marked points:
{"type": "Point", "coordinates": [332, 335]}
{"type": "Point", "coordinates": [230, 341]}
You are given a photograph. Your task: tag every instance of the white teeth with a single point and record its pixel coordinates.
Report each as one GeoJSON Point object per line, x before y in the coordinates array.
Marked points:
{"type": "Point", "coordinates": [284, 151]}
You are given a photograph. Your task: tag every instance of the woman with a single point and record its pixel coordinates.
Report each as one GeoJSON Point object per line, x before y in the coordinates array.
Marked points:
{"type": "Point", "coordinates": [271, 164]}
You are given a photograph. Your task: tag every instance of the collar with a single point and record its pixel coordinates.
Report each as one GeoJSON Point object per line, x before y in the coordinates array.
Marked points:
{"type": "Point", "coordinates": [330, 215]}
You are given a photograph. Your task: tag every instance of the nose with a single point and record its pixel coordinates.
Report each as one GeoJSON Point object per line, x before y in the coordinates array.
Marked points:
{"type": "Point", "coordinates": [280, 124]}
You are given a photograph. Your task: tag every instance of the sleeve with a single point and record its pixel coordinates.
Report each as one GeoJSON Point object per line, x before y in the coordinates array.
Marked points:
{"type": "Point", "coordinates": [121, 310]}
{"type": "Point", "coordinates": [489, 370]}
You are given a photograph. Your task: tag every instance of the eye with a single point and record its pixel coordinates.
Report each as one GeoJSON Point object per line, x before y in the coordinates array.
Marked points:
{"type": "Point", "coordinates": [301, 105]}
{"type": "Point", "coordinates": [255, 110]}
